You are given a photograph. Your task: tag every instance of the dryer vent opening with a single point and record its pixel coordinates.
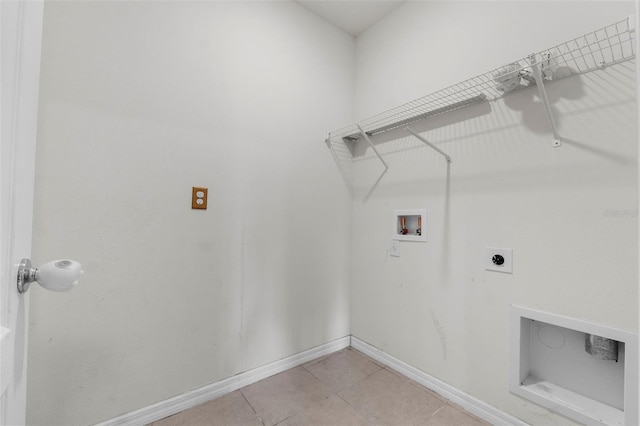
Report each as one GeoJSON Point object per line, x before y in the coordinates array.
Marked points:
{"type": "Point", "coordinates": [601, 347]}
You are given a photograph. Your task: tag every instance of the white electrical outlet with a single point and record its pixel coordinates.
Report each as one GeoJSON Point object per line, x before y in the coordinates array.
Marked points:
{"type": "Point", "coordinates": [499, 260]}
{"type": "Point", "coordinates": [394, 249]}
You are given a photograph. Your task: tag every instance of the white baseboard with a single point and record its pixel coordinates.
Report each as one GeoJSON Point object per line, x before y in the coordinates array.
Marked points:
{"type": "Point", "coordinates": [473, 405]}
{"type": "Point", "coordinates": [198, 396]}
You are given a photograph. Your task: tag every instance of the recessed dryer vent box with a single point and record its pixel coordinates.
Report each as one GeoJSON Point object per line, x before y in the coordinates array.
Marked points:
{"type": "Point", "coordinates": [409, 225]}
{"type": "Point", "coordinates": [554, 363]}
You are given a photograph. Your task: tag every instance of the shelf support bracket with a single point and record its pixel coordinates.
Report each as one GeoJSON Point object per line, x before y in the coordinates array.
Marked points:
{"type": "Point", "coordinates": [429, 144]}
{"type": "Point", "coordinates": [339, 164]}
{"type": "Point", "coordinates": [535, 69]}
{"type": "Point", "coordinates": [366, 137]}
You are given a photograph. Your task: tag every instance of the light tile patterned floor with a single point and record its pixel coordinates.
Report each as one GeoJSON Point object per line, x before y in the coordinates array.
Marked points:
{"type": "Point", "coordinates": [345, 388]}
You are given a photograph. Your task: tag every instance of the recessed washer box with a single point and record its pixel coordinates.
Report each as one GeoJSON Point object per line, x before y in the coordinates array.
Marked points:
{"type": "Point", "coordinates": [551, 366]}
{"type": "Point", "coordinates": [409, 225]}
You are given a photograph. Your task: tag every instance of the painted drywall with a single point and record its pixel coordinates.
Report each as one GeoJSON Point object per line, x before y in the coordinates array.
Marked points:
{"type": "Point", "coordinates": [140, 101]}
{"type": "Point", "coordinates": [568, 213]}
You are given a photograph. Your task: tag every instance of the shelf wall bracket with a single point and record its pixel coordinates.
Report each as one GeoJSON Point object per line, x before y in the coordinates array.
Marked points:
{"type": "Point", "coordinates": [429, 144]}
{"type": "Point", "coordinates": [339, 164]}
{"type": "Point", "coordinates": [537, 75]}
{"type": "Point", "coordinates": [366, 137]}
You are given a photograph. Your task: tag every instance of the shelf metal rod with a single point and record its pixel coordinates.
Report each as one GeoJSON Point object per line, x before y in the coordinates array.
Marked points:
{"type": "Point", "coordinates": [438, 150]}
{"type": "Point", "coordinates": [339, 164]}
{"type": "Point", "coordinates": [535, 70]}
{"type": "Point", "coordinates": [366, 137]}
{"type": "Point", "coordinates": [441, 109]}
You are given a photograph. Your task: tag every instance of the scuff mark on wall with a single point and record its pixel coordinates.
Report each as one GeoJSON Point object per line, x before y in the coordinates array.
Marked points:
{"type": "Point", "coordinates": [441, 333]}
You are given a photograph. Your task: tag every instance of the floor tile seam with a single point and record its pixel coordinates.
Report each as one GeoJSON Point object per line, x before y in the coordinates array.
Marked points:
{"type": "Point", "coordinates": [371, 423]}
{"type": "Point", "coordinates": [311, 372]}
{"type": "Point", "coordinates": [369, 375]}
{"type": "Point", "coordinates": [251, 406]}
{"type": "Point", "coordinates": [285, 419]}
{"type": "Point", "coordinates": [344, 388]}
{"type": "Point", "coordinates": [356, 383]}
{"type": "Point", "coordinates": [427, 390]}
{"type": "Point", "coordinates": [351, 407]}
{"type": "Point", "coordinates": [442, 401]}
{"type": "Point", "coordinates": [355, 410]}
{"type": "Point", "coordinates": [320, 359]}
{"type": "Point", "coordinates": [323, 388]}
{"type": "Point", "coordinates": [379, 364]}
{"type": "Point", "coordinates": [365, 358]}
{"type": "Point", "coordinates": [349, 361]}
{"type": "Point", "coordinates": [420, 386]}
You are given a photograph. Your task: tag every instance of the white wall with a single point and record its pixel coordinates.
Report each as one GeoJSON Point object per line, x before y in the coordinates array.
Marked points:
{"type": "Point", "coordinates": [140, 101]}
{"type": "Point", "coordinates": [435, 307]}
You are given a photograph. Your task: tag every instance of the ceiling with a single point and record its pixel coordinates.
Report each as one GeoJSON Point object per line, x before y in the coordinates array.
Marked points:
{"type": "Point", "coordinates": [352, 16]}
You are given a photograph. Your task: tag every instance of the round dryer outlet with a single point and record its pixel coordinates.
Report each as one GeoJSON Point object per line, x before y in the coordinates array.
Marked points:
{"type": "Point", "coordinates": [499, 259]}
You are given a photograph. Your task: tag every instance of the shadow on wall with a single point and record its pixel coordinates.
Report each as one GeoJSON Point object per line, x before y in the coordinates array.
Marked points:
{"type": "Point", "coordinates": [533, 114]}
{"type": "Point", "coordinates": [532, 108]}
{"type": "Point", "coordinates": [591, 112]}
{"type": "Point", "coordinates": [359, 147]}
{"type": "Point", "coordinates": [526, 101]}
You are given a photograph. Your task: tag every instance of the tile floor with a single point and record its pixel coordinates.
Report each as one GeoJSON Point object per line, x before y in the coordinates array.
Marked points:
{"type": "Point", "coordinates": [344, 388]}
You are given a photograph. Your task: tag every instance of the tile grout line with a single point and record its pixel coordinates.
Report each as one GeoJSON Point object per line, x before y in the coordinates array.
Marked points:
{"type": "Point", "coordinates": [421, 387]}
{"type": "Point", "coordinates": [285, 419]}
{"type": "Point", "coordinates": [252, 408]}
{"type": "Point", "coordinates": [356, 361]}
{"type": "Point", "coordinates": [354, 408]}
{"type": "Point", "coordinates": [351, 385]}
{"type": "Point", "coordinates": [416, 386]}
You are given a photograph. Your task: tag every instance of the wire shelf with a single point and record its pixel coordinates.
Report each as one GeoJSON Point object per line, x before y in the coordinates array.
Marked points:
{"type": "Point", "coordinates": [606, 46]}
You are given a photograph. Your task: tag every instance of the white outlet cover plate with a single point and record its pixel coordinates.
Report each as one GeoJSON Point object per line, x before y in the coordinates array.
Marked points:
{"type": "Point", "coordinates": [394, 249]}
{"type": "Point", "coordinates": [506, 253]}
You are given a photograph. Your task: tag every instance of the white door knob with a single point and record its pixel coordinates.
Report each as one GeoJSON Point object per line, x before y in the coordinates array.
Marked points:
{"type": "Point", "coordinates": [57, 275]}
